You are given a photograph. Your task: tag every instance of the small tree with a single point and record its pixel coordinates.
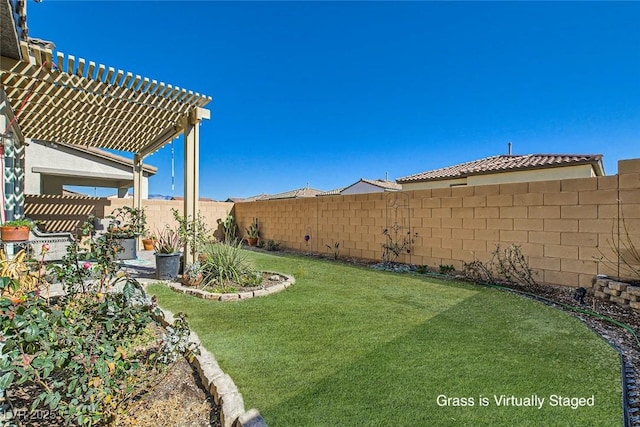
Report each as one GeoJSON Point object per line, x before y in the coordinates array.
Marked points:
{"type": "Point", "coordinates": [193, 231]}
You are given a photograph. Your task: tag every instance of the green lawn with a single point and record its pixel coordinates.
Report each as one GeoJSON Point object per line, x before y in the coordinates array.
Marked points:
{"type": "Point", "coordinates": [350, 346]}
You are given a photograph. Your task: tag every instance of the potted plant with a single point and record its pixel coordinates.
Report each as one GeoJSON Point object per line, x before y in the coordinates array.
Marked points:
{"type": "Point", "coordinates": [193, 274]}
{"type": "Point", "coordinates": [126, 224]}
{"type": "Point", "coordinates": [15, 230]}
{"type": "Point", "coordinates": [168, 252]}
{"type": "Point", "coordinates": [149, 241]}
{"type": "Point", "coordinates": [253, 232]}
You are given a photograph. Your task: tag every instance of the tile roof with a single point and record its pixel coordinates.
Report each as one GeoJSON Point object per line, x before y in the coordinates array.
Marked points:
{"type": "Point", "coordinates": [248, 199]}
{"type": "Point", "coordinates": [389, 185]}
{"type": "Point", "coordinates": [507, 163]}
{"type": "Point", "coordinates": [294, 194]}
{"type": "Point", "coordinates": [381, 183]}
{"type": "Point", "coordinates": [333, 192]}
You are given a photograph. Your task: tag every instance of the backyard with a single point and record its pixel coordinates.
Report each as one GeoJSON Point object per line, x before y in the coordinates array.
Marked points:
{"type": "Point", "coordinates": [348, 345]}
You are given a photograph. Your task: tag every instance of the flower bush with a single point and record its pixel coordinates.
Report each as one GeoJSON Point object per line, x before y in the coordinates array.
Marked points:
{"type": "Point", "coordinates": [91, 352]}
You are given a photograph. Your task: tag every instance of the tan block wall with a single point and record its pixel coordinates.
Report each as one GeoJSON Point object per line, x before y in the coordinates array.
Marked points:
{"type": "Point", "coordinates": [564, 227]}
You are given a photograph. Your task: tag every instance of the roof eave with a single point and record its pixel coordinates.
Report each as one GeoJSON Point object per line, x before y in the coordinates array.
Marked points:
{"type": "Point", "coordinates": [596, 164]}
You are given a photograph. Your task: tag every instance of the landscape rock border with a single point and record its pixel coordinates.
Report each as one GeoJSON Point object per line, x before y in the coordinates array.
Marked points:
{"type": "Point", "coordinates": [220, 385]}
{"type": "Point", "coordinates": [235, 296]}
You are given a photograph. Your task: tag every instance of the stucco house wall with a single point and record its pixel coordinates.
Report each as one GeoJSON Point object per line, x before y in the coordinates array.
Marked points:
{"type": "Point", "coordinates": [547, 174]}
{"type": "Point", "coordinates": [50, 166]}
{"type": "Point", "coordinates": [362, 188]}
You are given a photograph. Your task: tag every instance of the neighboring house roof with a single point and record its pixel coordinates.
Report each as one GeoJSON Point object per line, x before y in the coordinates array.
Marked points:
{"type": "Point", "coordinates": [295, 194]}
{"type": "Point", "coordinates": [291, 194]}
{"type": "Point", "coordinates": [380, 183]}
{"type": "Point", "coordinates": [248, 199]}
{"type": "Point", "coordinates": [387, 185]}
{"type": "Point", "coordinates": [507, 163]}
{"type": "Point", "coordinates": [331, 192]}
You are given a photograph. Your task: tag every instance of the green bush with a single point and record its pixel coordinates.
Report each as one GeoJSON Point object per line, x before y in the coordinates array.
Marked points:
{"type": "Point", "coordinates": [272, 245]}
{"type": "Point", "coordinates": [82, 350]}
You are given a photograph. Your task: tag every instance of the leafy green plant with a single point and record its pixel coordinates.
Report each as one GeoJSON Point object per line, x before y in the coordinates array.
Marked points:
{"type": "Point", "coordinates": [19, 223]}
{"type": "Point", "coordinates": [446, 268]}
{"type": "Point", "coordinates": [254, 279]}
{"type": "Point", "coordinates": [422, 269]}
{"type": "Point", "coordinates": [193, 274]}
{"type": "Point", "coordinates": [193, 231]}
{"type": "Point", "coordinates": [127, 222]}
{"type": "Point", "coordinates": [80, 349]}
{"type": "Point", "coordinates": [272, 245]}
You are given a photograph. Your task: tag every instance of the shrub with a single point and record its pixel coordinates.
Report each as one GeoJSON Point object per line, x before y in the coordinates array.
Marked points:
{"type": "Point", "coordinates": [446, 268]}
{"type": "Point", "coordinates": [272, 245]}
{"type": "Point", "coordinates": [193, 231]}
{"type": "Point", "coordinates": [395, 244]}
{"type": "Point", "coordinates": [82, 350]}
{"type": "Point", "coordinates": [625, 258]}
{"type": "Point", "coordinates": [508, 264]}
{"type": "Point", "coordinates": [225, 264]}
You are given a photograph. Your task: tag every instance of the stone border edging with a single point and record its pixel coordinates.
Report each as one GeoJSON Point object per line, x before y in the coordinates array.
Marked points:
{"type": "Point", "coordinates": [290, 280]}
{"type": "Point", "coordinates": [621, 293]}
{"type": "Point", "coordinates": [218, 384]}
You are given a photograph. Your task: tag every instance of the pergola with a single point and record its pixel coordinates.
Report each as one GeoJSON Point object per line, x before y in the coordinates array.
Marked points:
{"type": "Point", "coordinates": [64, 99]}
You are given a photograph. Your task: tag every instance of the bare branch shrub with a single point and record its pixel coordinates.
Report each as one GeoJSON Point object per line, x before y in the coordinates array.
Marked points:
{"type": "Point", "coordinates": [508, 264]}
{"type": "Point", "coordinates": [623, 247]}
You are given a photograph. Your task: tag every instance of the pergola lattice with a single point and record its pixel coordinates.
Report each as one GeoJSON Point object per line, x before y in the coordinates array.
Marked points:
{"type": "Point", "coordinates": [66, 100]}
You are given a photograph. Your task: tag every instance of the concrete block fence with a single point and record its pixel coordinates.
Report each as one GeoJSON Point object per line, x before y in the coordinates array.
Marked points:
{"type": "Point", "coordinates": [563, 227]}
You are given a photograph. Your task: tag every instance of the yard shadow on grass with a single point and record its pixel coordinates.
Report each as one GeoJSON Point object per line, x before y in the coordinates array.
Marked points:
{"type": "Point", "coordinates": [489, 344]}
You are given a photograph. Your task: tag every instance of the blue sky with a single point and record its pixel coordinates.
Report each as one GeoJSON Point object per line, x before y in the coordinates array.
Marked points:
{"type": "Point", "coordinates": [326, 93]}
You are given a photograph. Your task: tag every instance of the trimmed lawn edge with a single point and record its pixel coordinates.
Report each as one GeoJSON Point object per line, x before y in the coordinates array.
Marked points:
{"type": "Point", "coordinates": [220, 385]}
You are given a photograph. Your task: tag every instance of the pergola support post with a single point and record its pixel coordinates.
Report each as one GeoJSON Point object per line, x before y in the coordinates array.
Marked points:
{"type": "Point", "coordinates": [191, 178]}
{"type": "Point", "coordinates": [137, 187]}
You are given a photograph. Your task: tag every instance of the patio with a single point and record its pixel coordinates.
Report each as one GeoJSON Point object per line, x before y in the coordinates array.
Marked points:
{"type": "Point", "coordinates": [142, 268]}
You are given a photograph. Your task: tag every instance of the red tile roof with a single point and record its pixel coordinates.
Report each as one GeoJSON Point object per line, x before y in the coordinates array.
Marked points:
{"type": "Point", "coordinates": [507, 163]}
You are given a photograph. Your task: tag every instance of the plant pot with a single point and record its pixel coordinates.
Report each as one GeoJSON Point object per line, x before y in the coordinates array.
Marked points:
{"type": "Point", "coordinates": [252, 241]}
{"type": "Point", "coordinates": [13, 233]}
{"type": "Point", "coordinates": [167, 265]}
{"type": "Point", "coordinates": [147, 244]}
{"type": "Point", "coordinates": [127, 250]}
{"type": "Point", "coordinates": [192, 281]}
